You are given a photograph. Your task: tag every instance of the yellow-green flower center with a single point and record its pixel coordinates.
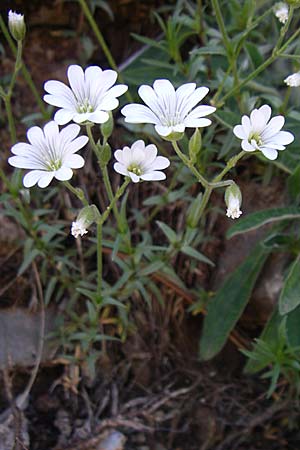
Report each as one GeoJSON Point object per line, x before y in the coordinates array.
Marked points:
{"type": "Point", "coordinates": [134, 169]}
{"type": "Point", "coordinates": [54, 165]}
{"type": "Point", "coordinates": [256, 137]}
{"type": "Point", "coordinates": [85, 106]}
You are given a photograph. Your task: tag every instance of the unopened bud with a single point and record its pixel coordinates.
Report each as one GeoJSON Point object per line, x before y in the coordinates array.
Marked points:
{"type": "Point", "coordinates": [195, 145]}
{"type": "Point", "coordinates": [16, 25]}
{"type": "Point", "coordinates": [233, 200]}
{"type": "Point", "coordinates": [87, 216]}
{"type": "Point", "coordinates": [281, 11]}
{"type": "Point", "coordinates": [107, 127]}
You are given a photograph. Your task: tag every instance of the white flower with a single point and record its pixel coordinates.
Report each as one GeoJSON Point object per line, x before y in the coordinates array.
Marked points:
{"type": "Point", "coordinates": [233, 200]}
{"type": "Point", "coordinates": [16, 25]}
{"type": "Point", "coordinates": [233, 209]}
{"type": "Point", "coordinates": [293, 80]}
{"type": "Point", "coordinates": [141, 162]}
{"type": "Point", "coordinates": [169, 110]}
{"type": "Point", "coordinates": [91, 95]}
{"type": "Point", "coordinates": [50, 154]}
{"type": "Point", "coordinates": [281, 11]}
{"type": "Point", "coordinates": [258, 133]}
{"type": "Point", "coordinates": [78, 228]}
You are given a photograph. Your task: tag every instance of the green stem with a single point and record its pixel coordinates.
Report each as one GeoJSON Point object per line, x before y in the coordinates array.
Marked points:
{"type": "Point", "coordinates": [78, 192]}
{"type": "Point", "coordinates": [230, 164]}
{"type": "Point", "coordinates": [25, 72]}
{"type": "Point", "coordinates": [230, 56]}
{"type": "Point", "coordinates": [100, 223]}
{"type": "Point", "coordinates": [104, 170]}
{"type": "Point", "coordinates": [102, 42]}
{"type": "Point", "coordinates": [99, 259]}
{"type": "Point", "coordinates": [118, 194]}
{"type": "Point", "coordinates": [10, 118]}
{"type": "Point", "coordinates": [285, 100]}
{"type": "Point", "coordinates": [275, 53]}
{"type": "Point", "coordinates": [7, 96]}
{"type": "Point", "coordinates": [190, 165]}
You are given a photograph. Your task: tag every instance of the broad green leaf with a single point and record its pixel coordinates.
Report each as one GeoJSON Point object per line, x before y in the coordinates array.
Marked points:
{"type": "Point", "coordinates": [260, 218]}
{"type": "Point", "coordinates": [229, 303]}
{"type": "Point", "coordinates": [290, 295]}
{"type": "Point", "coordinates": [293, 327]}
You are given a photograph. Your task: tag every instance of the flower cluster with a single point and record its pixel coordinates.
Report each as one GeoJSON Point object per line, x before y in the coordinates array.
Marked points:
{"type": "Point", "coordinates": [90, 98]}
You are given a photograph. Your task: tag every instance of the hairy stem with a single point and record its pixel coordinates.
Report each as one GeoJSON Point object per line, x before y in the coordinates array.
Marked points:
{"type": "Point", "coordinates": [102, 42]}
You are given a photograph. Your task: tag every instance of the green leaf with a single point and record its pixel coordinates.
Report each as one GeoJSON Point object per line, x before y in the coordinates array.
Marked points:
{"type": "Point", "coordinates": [187, 250]}
{"type": "Point", "coordinates": [293, 327]}
{"type": "Point", "coordinates": [294, 183]}
{"type": "Point", "coordinates": [28, 260]}
{"type": "Point", "coordinates": [254, 54]}
{"type": "Point", "coordinates": [209, 50]}
{"type": "Point", "coordinates": [269, 335]}
{"type": "Point", "coordinates": [228, 304]}
{"type": "Point", "coordinates": [152, 267]}
{"type": "Point", "coordinates": [260, 218]}
{"type": "Point", "coordinates": [168, 232]}
{"type": "Point", "coordinates": [290, 295]}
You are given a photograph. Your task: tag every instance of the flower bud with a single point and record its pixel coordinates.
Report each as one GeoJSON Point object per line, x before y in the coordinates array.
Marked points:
{"type": "Point", "coordinates": [193, 217]}
{"type": "Point", "coordinates": [85, 218]}
{"type": "Point", "coordinates": [195, 145]}
{"type": "Point", "coordinates": [16, 25]}
{"type": "Point", "coordinates": [233, 200]}
{"type": "Point", "coordinates": [281, 11]}
{"type": "Point", "coordinates": [107, 127]}
{"type": "Point", "coordinates": [294, 3]}
{"type": "Point", "coordinates": [293, 80]}
{"type": "Point", "coordinates": [104, 154]}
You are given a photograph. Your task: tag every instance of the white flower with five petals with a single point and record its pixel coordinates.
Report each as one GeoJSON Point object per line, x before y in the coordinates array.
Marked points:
{"type": "Point", "coordinates": [258, 132]}
{"type": "Point", "coordinates": [169, 110]}
{"type": "Point", "coordinates": [50, 154]}
{"type": "Point", "coordinates": [90, 97]}
{"type": "Point", "coordinates": [140, 162]}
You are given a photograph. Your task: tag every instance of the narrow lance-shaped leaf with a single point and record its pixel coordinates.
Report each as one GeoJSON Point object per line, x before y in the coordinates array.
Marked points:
{"type": "Point", "coordinates": [260, 218]}
{"type": "Point", "coordinates": [290, 294]}
{"type": "Point", "coordinates": [227, 306]}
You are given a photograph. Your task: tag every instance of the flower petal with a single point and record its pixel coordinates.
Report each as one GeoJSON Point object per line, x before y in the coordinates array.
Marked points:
{"type": "Point", "coordinates": [136, 113]}
{"type": "Point", "coordinates": [269, 153]}
{"type": "Point", "coordinates": [74, 162]}
{"type": "Point", "coordinates": [247, 147]}
{"type": "Point", "coordinates": [64, 173]}
{"type": "Point", "coordinates": [239, 132]}
{"type": "Point", "coordinates": [31, 178]}
{"type": "Point", "coordinates": [63, 116]}
{"type": "Point", "coordinates": [120, 168]}
{"type": "Point", "coordinates": [153, 176]}
{"type": "Point", "coordinates": [98, 117]}
{"type": "Point", "coordinates": [45, 179]}
{"type": "Point", "coordinates": [76, 80]}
